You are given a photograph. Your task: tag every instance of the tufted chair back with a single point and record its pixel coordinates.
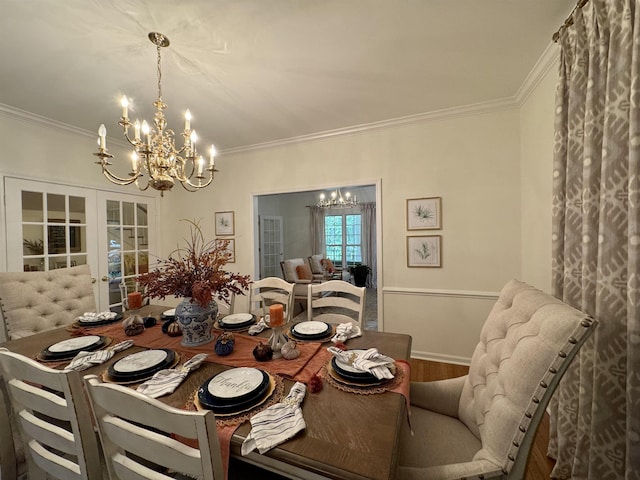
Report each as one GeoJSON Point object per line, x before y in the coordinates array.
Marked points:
{"type": "Point", "coordinates": [31, 302]}
{"type": "Point", "coordinates": [524, 348]}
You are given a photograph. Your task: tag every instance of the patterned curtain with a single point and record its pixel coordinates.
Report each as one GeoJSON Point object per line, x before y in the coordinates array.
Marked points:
{"type": "Point", "coordinates": [595, 414]}
{"type": "Point", "coordinates": [369, 249]}
{"type": "Point", "coordinates": [316, 226]}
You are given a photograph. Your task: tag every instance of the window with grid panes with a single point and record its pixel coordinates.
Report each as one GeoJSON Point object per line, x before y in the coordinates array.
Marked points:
{"type": "Point", "coordinates": [343, 239]}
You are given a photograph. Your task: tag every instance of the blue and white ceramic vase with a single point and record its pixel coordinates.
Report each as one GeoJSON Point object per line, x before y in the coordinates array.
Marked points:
{"type": "Point", "coordinates": [196, 322]}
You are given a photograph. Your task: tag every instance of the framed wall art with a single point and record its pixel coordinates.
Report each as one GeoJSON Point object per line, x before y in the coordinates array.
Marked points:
{"type": "Point", "coordinates": [224, 223]}
{"type": "Point", "coordinates": [424, 213]}
{"type": "Point", "coordinates": [424, 251]}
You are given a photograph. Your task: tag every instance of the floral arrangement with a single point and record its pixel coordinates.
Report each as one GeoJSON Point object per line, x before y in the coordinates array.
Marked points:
{"type": "Point", "coordinates": [195, 271]}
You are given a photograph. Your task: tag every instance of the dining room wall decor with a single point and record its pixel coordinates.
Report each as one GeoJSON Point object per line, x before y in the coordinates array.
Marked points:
{"type": "Point", "coordinates": [424, 251]}
{"type": "Point", "coordinates": [424, 213]}
{"type": "Point", "coordinates": [225, 223]}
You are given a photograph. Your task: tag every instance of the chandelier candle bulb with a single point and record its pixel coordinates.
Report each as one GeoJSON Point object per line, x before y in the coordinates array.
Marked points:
{"type": "Point", "coordinates": [102, 133]}
{"type": "Point", "coordinates": [136, 131]}
{"type": "Point", "coordinates": [212, 155]}
{"type": "Point", "coordinates": [187, 120]}
{"type": "Point", "coordinates": [276, 315]}
{"type": "Point", "coordinates": [125, 104]}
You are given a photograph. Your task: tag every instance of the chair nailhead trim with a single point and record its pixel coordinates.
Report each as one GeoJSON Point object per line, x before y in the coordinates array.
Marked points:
{"type": "Point", "coordinates": [543, 384]}
{"type": "Point", "coordinates": [511, 457]}
{"type": "Point", "coordinates": [528, 415]}
{"type": "Point", "coordinates": [516, 444]}
{"type": "Point", "coordinates": [585, 323]}
{"type": "Point", "coordinates": [522, 429]}
{"type": "Point", "coordinates": [535, 400]}
{"type": "Point", "coordinates": [562, 354]}
{"type": "Point", "coordinates": [553, 370]}
{"type": "Point", "coordinates": [572, 340]}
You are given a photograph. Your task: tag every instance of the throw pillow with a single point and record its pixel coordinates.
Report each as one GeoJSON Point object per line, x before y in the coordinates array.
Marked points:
{"type": "Point", "coordinates": [304, 272]}
{"type": "Point", "coordinates": [328, 265]}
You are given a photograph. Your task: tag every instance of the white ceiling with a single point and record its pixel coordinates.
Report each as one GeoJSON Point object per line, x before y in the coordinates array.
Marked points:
{"type": "Point", "coordinates": [256, 71]}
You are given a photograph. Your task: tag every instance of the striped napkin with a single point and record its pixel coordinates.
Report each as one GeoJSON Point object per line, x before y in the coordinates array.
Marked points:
{"type": "Point", "coordinates": [345, 331]}
{"type": "Point", "coordinates": [370, 361]}
{"type": "Point", "coordinates": [167, 380]}
{"type": "Point", "coordinates": [276, 424]}
{"type": "Point", "coordinates": [84, 359]}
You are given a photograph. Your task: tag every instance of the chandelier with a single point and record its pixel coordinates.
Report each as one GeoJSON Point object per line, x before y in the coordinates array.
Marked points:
{"type": "Point", "coordinates": [337, 201]}
{"type": "Point", "coordinates": [154, 151]}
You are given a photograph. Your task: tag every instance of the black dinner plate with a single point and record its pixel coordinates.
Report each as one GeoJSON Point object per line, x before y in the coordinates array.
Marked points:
{"type": "Point", "coordinates": [314, 336]}
{"type": "Point", "coordinates": [356, 377]}
{"type": "Point", "coordinates": [49, 355]}
{"type": "Point", "coordinates": [143, 373]}
{"type": "Point", "coordinates": [222, 405]}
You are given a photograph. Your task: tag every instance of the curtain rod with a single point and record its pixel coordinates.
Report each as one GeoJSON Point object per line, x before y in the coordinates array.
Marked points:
{"type": "Point", "coordinates": [569, 21]}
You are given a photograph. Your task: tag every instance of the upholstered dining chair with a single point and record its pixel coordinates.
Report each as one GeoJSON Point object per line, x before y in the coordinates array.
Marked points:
{"type": "Point", "coordinates": [267, 291]}
{"type": "Point", "coordinates": [482, 425]}
{"type": "Point", "coordinates": [138, 435]}
{"type": "Point", "coordinates": [31, 302]}
{"type": "Point", "coordinates": [336, 293]}
{"type": "Point", "coordinates": [52, 415]}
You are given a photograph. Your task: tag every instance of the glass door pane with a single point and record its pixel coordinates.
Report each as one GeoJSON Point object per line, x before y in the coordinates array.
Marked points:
{"type": "Point", "coordinates": [48, 226]}
{"type": "Point", "coordinates": [128, 226]}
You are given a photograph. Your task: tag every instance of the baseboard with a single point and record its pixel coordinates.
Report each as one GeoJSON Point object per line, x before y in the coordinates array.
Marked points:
{"type": "Point", "coordinates": [436, 357]}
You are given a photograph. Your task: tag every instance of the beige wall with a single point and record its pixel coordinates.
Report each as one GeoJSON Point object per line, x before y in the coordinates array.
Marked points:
{"type": "Point", "coordinates": [472, 162]}
{"type": "Point", "coordinates": [492, 170]}
{"type": "Point", "coordinates": [536, 147]}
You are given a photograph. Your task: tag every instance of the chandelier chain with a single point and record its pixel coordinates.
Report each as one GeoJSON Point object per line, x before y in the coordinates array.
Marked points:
{"type": "Point", "coordinates": [159, 74]}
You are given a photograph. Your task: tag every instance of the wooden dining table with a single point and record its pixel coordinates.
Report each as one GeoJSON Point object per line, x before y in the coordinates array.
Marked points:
{"type": "Point", "coordinates": [347, 436]}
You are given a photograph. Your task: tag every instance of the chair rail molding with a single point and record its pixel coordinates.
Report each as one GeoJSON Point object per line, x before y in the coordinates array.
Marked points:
{"type": "Point", "coordinates": [433, 292]}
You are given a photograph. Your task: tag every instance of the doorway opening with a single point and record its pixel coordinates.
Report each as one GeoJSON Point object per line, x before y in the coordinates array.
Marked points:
{"type": "Point", "coordinates": [283, 230]}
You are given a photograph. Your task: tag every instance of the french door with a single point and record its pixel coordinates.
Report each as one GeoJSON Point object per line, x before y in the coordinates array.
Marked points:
{"type": "Point", "coordinates": [271, 246]}
{"type": "Point", "coordinates": [126, 240]}
{"type": "Point", "coordinates": [51, 226]}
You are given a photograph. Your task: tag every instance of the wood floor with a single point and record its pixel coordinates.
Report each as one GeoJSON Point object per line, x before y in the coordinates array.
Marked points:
{"type": "Point", "coordinates": [540, 465]}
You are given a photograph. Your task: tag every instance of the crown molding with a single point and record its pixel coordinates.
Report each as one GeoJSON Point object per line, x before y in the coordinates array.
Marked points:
{"type": "Point", "coordinates": [436, 115]}
{"type": "Point", "coordinates": [547, 60]}
{"type": "Point", "coordinates": [41, 121]}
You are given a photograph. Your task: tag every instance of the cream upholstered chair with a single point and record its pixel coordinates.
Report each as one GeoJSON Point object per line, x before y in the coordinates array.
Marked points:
{"type": "Point", "coordinates": [336, 293]}
{"type": "Point", "coordinates": [482, 425]}
{"type": "Point", "coordinates": [135, 432]}
{"type": "Point", "coordinates": [31, 302]}
{"type": "Point", "coordinates": [52, 416]}
{"type": "Point", "coordinates": [290, 269]}
{"type": "Point", "coordinates": [267, 291]}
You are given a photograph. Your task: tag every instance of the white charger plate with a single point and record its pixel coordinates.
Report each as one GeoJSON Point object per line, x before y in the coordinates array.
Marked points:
{"type": "Point", "coordinates": [72, 344]}
{"type": "Point", "coordinates": [235, 382]}
{"type": "Point", "coordinates": [237, 318]}
{"type": "Point", "coordinates": [169, 313]}
{"type": "Point", "coordinates": [311, 328]}
{"type": "Point", "coordinates": [140, 361]}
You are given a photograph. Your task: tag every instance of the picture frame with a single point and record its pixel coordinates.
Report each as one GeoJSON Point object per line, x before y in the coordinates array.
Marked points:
{"type": "Point", "coordinates": [424, 213]}
{"type": "Point", "coordinates": [424, 251]}
{"type": "Point", "coordinates": [225, 223]}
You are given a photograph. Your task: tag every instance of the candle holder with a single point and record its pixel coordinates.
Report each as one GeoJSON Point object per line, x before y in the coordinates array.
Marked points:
{"type": "Point", "coordinates": [277, 340]}
{"type": "Point", "coordinates": [275, 319]}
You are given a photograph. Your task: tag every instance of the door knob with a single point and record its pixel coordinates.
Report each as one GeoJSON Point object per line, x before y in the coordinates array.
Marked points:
{"type": "Point", "coordinates": [105, 279]}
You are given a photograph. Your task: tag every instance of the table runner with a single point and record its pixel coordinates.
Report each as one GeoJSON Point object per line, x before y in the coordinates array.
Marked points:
{"type": "Point", "coordinates": [312, 355]}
